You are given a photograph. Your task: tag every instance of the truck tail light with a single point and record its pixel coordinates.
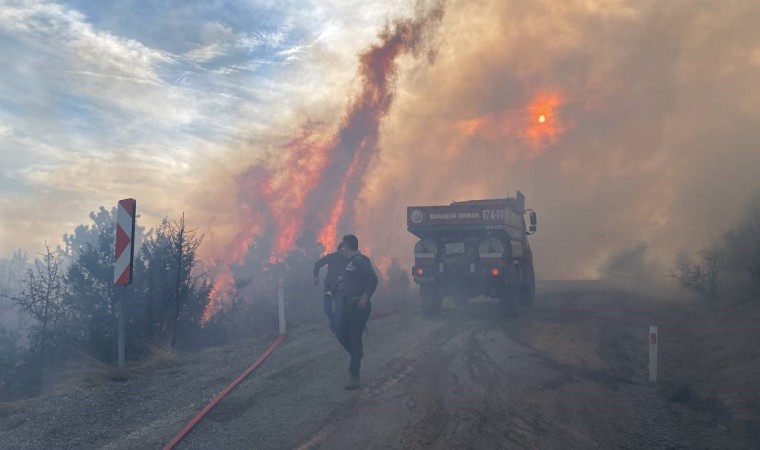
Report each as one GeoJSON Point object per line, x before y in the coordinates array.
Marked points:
{"type": "Point", "coordinates": [420, 271]}
{"type": "Point", "coordinates": [495, 271]}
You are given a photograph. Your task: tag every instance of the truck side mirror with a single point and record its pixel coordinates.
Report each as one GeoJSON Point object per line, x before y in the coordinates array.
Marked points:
{"type": "Point", "coordinates": [533, 222]}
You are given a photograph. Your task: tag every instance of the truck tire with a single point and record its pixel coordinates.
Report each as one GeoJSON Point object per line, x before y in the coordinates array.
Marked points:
{"type": "Point", "coordinates": [430, 300]}
{"type": "Point", "coordinates": [528, 294]}
{"type": "Point", "coordinates": [509, 301]}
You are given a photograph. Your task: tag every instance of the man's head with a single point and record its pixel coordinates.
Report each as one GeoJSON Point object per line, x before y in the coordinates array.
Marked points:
{"type": "Point", "coordinates": [350, 245]}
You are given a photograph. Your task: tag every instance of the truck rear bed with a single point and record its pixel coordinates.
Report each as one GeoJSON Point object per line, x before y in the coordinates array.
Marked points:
{"type": "Point", "coordinates": [477, 216]}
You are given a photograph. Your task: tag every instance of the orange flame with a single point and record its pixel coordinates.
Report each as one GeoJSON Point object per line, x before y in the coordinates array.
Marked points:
{"type": "Point", "coordinates": [329, 234]}
{"type": "Point", "coordinates": [383, 264]}
{"type": "Point", "coordinates": [219, 294]}
{"type": "Point", "coordinates": [289, 191]}
{"type": "Point", "coordinates": [300, 171]}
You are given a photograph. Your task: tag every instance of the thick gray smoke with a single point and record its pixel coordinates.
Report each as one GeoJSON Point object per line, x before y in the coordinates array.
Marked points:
{"type": "Point", "coordinates": [650, 132]}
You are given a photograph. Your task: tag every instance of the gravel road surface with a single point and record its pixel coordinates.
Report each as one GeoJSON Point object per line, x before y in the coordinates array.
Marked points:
{"type": "Point", "coordinates": [570, 373]}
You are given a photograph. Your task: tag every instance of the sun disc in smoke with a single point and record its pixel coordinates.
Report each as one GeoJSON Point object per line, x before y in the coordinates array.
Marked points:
{"type": "Point", "coordinates": [548, 128]}
{"type": "Point", "coordinates": [536, 125]}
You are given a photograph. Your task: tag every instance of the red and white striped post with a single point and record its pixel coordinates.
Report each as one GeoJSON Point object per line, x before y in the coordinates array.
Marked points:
{"type": "Point", "coordinates": [653, 354]}
{"type": "Point", "coordinates": [125, 236]}
{"type": "Point", "coordinates": [124, 256]}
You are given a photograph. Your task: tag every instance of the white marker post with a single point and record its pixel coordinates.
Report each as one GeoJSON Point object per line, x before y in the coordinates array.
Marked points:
{"type": "Point", "coordinates": [653, 354]}
{"type": "Point", "coordinates": [281, 305]}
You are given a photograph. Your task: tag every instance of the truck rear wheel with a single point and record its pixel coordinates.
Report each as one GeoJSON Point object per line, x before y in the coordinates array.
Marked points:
{"type": "Point", "coordinates": [528, 293]}
{"type": "Point", "coordinates": [509, 301]}
{"type": "Point", "coordinates": [430, 300]}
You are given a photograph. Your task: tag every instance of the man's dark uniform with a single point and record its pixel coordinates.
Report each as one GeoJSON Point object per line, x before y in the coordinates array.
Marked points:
{"type": "Point", "coordinates": [359, 279]}
{"type": "Point", "coordinates": [336, 265]}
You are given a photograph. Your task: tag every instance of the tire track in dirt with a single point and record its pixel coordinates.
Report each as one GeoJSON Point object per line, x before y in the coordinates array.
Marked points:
{"type": "Point", "coordinates": [392, 373]}
{"type": "Point", "coordinates": [569, 374]}
{"type": "Point", "coordinates": [405, 369]}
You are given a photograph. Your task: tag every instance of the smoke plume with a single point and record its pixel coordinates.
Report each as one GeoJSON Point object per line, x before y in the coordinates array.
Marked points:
{"type": "Point", "coordinates": [648, 131]}
{"type": "Point", "coordinates": [622, 123]}
{"type": "Point", "coordinates": [307, 188]}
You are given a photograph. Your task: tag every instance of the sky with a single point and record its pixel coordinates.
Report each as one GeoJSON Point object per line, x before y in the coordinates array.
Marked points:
{"type": "Point", "coordinates": [264, 119]}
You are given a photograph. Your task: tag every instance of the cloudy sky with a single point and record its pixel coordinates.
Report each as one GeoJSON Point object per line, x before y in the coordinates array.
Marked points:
{"type": "Point", "coordinates": [650, 129]}
{"type": "Point", "coordinates": [105, 100]}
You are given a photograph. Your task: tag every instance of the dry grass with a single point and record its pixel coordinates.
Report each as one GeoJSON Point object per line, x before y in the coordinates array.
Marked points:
{"type": "Point", "coordinates": [88, 371]}
{"type": "Point", "coordinates": [158, 356]}
{"type": "Point", "coordinates": [85, 372]}
{"type": "Point", "coordinates": [710, 351]}
{"type": "Point", "coordinates": [8, 408]}
{"type": "Point", "coordinates": [709, 355]}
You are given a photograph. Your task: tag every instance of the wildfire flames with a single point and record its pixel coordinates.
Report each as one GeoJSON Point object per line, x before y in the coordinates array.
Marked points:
{"type": "Point", "coordinates": [222, 285]}
{"type": "Point", "coordinates": [284, 196]}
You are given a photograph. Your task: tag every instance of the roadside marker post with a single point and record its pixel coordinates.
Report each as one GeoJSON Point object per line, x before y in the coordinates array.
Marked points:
{"type": "Point", "coordinates": [281, 305]}
{"type": "Point", "coordinates": [653, 354]}
{"type": "Point", "coordinates": [124, 256]}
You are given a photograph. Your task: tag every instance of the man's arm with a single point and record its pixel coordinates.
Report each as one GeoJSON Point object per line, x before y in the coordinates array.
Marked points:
{"type": "Point", "coordinates": [321, 262]}
{"type": "Point", "coordinates": [318, 265]}
{"type": "Point", "coordinates": [370, 283]}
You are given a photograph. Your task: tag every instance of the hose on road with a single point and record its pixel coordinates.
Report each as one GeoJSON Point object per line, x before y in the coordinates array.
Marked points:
{"type": "Point", "coordinates": [224, 392]}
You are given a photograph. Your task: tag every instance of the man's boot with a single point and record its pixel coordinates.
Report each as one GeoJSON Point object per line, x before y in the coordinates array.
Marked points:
{"type": "Point", "coordinates": [353, 383]}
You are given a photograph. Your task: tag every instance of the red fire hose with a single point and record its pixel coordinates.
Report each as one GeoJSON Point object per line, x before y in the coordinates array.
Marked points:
{"type": "Point", "coordinates": [224, 392]}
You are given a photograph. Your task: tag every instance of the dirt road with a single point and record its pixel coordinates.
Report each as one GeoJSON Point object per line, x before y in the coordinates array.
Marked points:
{"type": "Point", "coordinates": [570, 373]}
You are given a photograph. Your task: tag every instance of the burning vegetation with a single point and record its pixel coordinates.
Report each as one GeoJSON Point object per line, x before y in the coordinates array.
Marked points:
{"type": "Point", "coordinates": [305, 192]}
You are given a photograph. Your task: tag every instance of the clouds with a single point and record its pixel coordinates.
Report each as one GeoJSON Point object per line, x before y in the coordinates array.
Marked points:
{"type": "Point", "coordinates": [219, 42]}
{"type": "Point", "coordinates": [163, 103]}
{"type": "Point", "coordinates": [86, 49]}
{"type": "Point", "coordinates": [69, 79]}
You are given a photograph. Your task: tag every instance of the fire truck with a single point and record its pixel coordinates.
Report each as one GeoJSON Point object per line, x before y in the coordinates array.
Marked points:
{"type": "Point", "coordinates": [474, 248]}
